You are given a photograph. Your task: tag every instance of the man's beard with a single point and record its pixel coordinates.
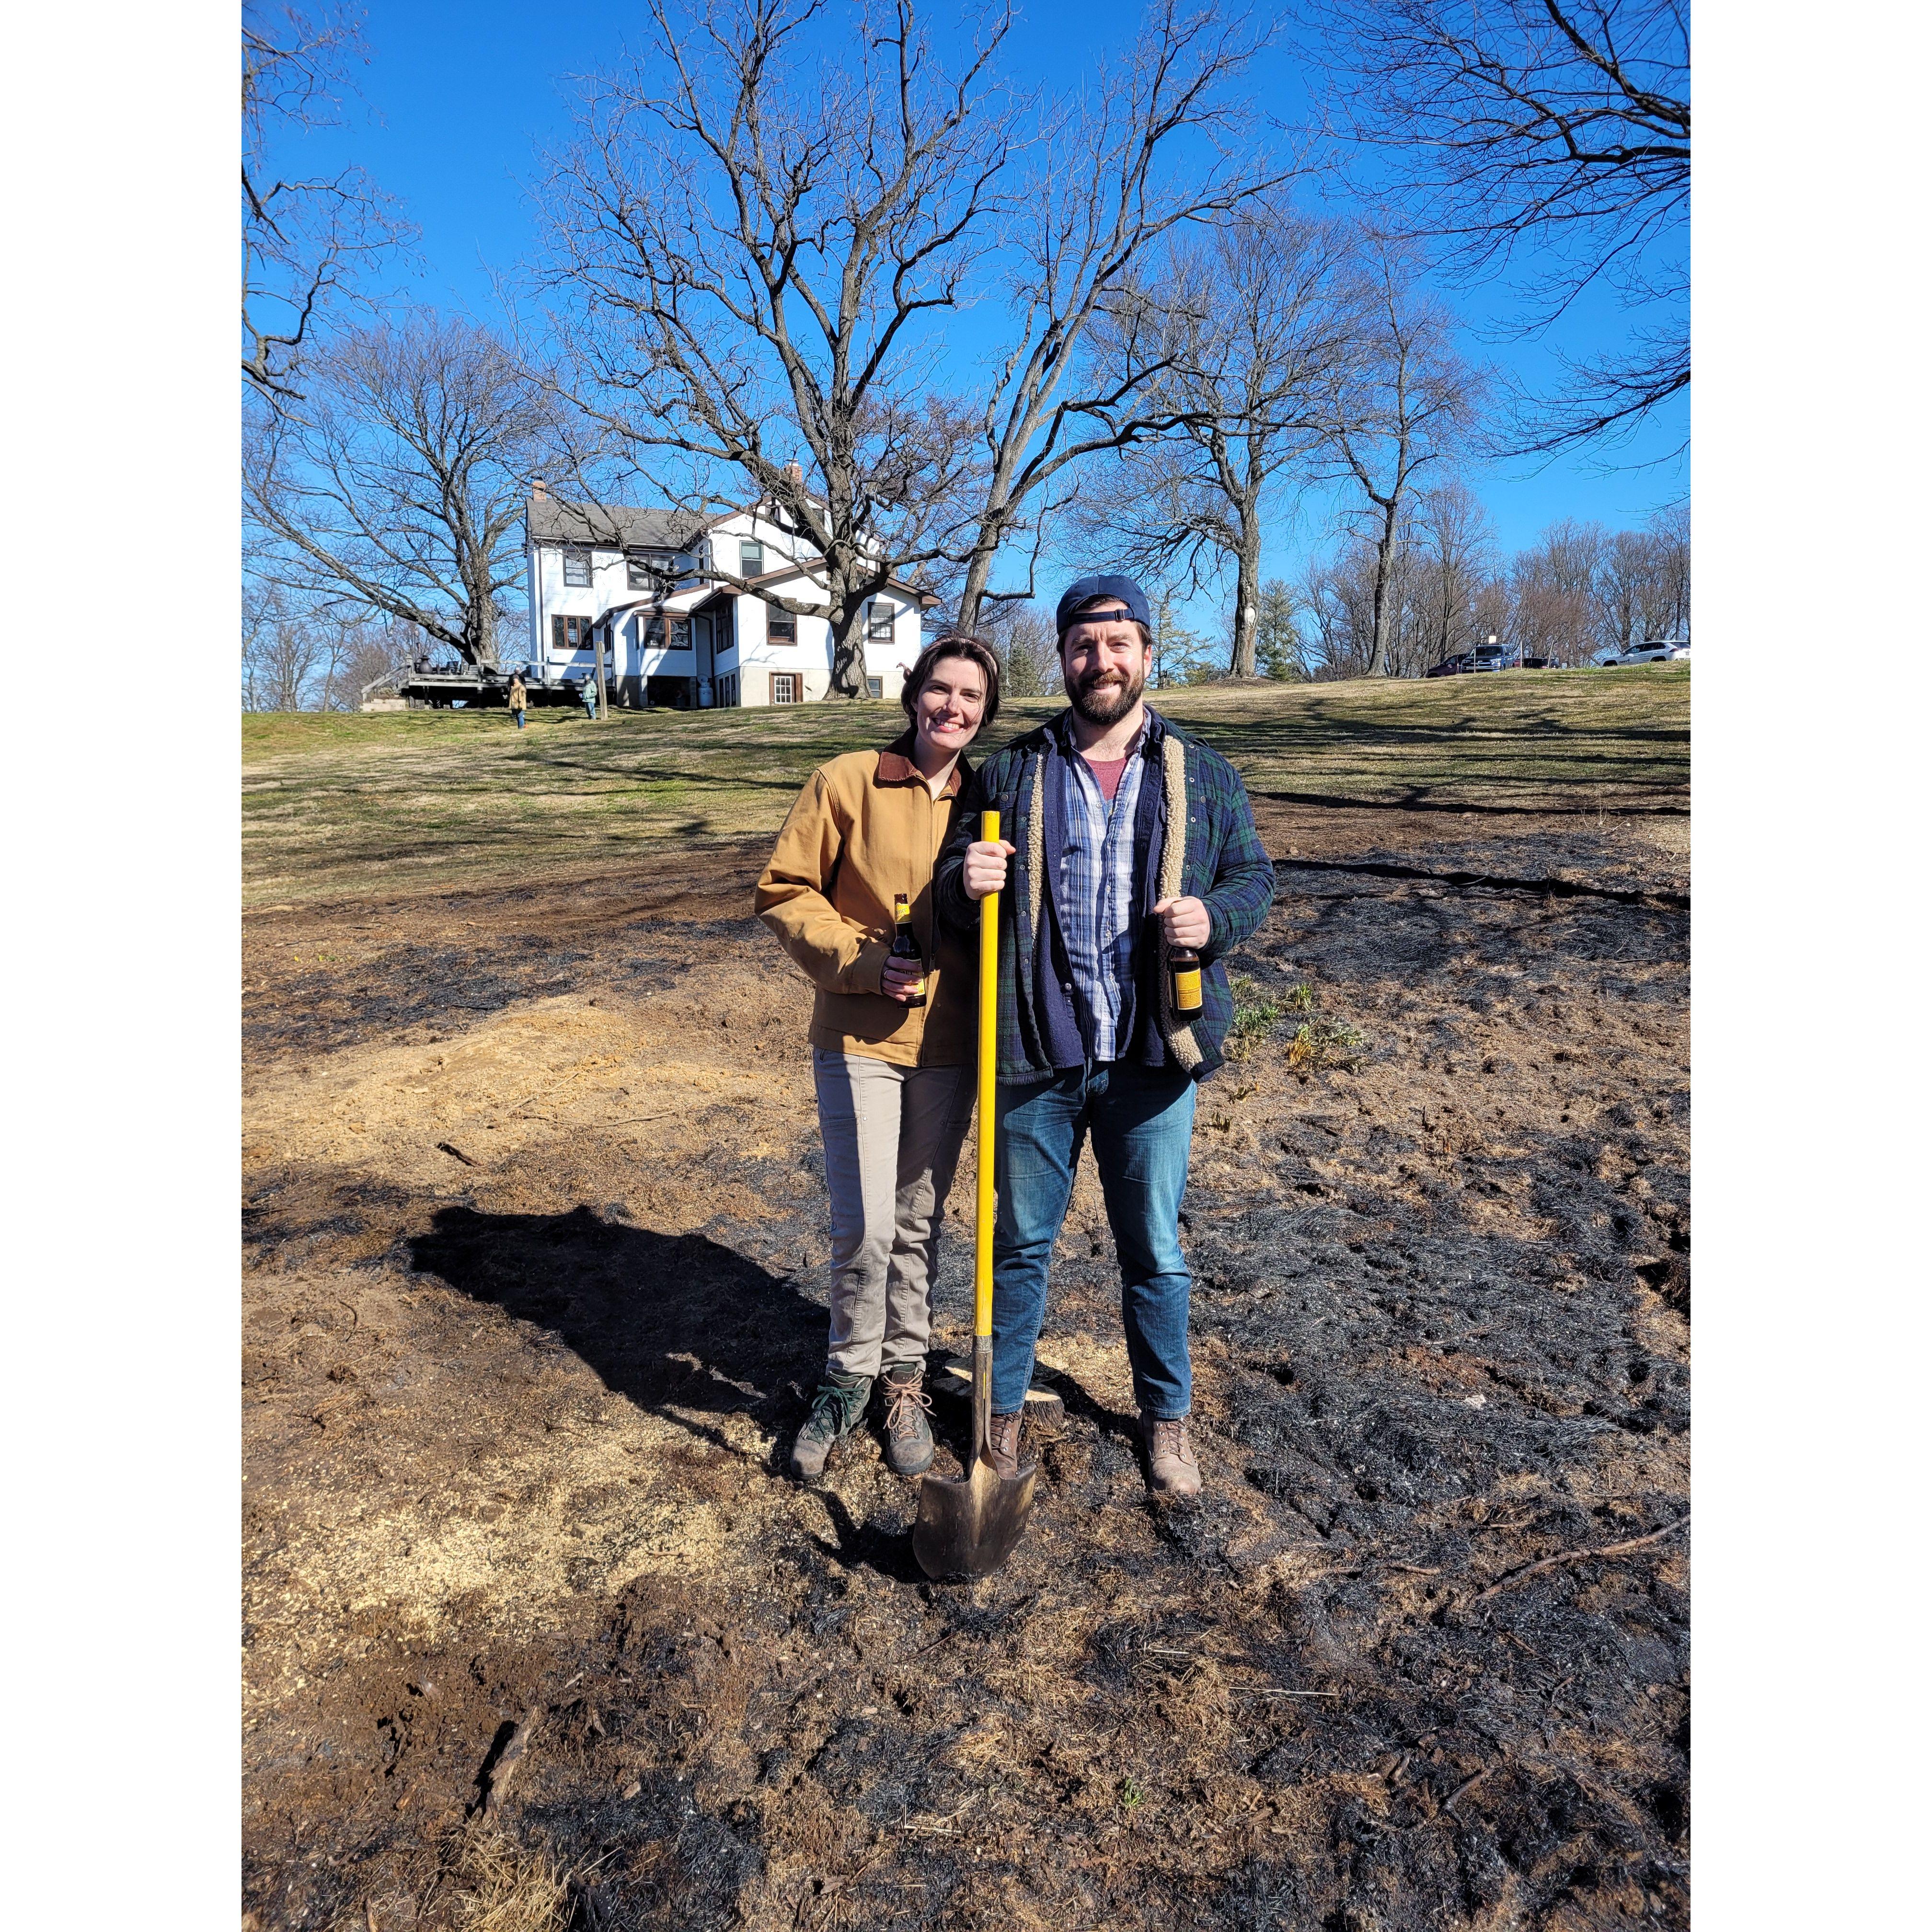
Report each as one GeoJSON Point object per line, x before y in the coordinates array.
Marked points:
{"type": "Point", "coordinates": [1109, 704]}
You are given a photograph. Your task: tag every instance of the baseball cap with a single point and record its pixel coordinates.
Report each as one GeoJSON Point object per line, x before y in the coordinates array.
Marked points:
{"type": "Point", "coordinates": [1084, 589]}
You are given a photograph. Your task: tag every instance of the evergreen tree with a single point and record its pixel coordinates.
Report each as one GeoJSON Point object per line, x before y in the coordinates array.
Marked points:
{"type": "Point", "coordinates": [1277, 643]}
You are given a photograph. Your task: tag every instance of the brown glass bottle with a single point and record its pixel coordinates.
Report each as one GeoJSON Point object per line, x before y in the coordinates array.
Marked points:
{"type": "Point", "coordinates": [1183, 973]}
{"type": "Point", "coordinates": [905, 946]}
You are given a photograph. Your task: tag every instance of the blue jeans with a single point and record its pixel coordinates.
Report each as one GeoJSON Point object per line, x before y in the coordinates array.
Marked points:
{"type": "Point", "coordinates": [1142, 1120]}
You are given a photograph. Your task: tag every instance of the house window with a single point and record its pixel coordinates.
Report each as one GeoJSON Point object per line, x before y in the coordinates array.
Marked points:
{"type": "Point", "coordinates": [655, 637]}
{"type": "Point", "coordinates": [727, 690]}
{"type": "Point", "coordinates": [646, 569]}
{"type": "Point", "coordinates": [781, 626]}
{"type": "Point", "coordinates": [784, 687]}
{"type": "Point", "coordinates": [750, 558]}
{"type": "Point", "coordinates": [572, 634]}
{"type": "Point", "coordinates": [576, 568]}
{"type": "Point", "coordinates": [879, 621]}
{"type": "Point", "coordinates": [875, 687]}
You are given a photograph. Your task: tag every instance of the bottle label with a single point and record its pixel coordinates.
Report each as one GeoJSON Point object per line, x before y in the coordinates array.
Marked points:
{"type": "Point", "coordinates": [1187, 989]}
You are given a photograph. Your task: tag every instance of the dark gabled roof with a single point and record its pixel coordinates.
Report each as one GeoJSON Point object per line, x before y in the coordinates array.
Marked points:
{"type": "Point", "coordinates": [612, 525]}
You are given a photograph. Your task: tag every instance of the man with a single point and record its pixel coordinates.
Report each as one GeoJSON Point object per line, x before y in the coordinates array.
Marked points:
{"type": "Point", "coordinates": [587, 692]}
{"type": "Point", "coordinates": [1128, 838]}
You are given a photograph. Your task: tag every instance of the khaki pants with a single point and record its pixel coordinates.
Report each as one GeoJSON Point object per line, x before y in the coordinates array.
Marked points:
{"type": "Point", "coordinates": [891, 1138]}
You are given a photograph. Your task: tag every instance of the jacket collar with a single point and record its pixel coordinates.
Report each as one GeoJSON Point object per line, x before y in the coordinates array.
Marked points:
{"type": "Point", "coordinates": [896, 767]}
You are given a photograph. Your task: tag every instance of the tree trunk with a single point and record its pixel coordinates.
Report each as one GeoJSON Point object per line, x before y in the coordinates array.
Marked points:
{"type": "Point", "coordinates": [846, 620]}
{"type": "Point", "coordinates": [598, 634]}
{"type": "Point", "coordinates": [1247, 594]}
{"type": "Point", "coordinates": [979, 573]}
{"type": "Point", "coordinates": [1378, 655]}
{"type": "Point", "coordinates": [483, 629]}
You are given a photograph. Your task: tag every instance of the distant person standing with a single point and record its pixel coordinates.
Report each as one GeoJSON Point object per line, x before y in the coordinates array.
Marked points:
{"type": "Point", "coordinates": [587, 691]}
{"type": "Point", "coordinates": [519, 697]}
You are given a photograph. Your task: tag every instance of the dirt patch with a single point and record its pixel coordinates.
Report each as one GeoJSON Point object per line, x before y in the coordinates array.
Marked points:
{"type": "Point", "coordinates": [535, 1239]}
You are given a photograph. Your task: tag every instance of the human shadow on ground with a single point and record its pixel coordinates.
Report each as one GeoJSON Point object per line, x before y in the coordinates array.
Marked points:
{"type": "Point", "coordinates": [673, 1322]}
{"type": "Point", "coordinates": [678, 1323]}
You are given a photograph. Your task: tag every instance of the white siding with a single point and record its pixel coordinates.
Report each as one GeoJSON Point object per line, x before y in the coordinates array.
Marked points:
{"type": "Point", "coordinates": [744, 648]}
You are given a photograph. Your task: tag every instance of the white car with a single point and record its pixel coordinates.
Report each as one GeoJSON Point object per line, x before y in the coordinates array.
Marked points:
{"type": "Point", "coordinates": [1649, 653]}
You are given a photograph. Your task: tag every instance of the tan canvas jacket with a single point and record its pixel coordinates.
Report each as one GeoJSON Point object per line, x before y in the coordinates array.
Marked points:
{"type": "Point", "coordinates": [866, 826]}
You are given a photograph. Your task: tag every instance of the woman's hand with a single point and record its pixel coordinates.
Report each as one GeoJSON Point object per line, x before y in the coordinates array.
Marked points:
{"type": "Point", "coordinates": [899, 979]}
{"type": "Point", "coordinates": [1185, 921]}
{"type": "Point", "coordinates": [985, 868]}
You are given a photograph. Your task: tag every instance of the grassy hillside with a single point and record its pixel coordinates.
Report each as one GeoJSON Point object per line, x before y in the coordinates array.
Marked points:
{"type": "Point", "coordinates": [339, 806]}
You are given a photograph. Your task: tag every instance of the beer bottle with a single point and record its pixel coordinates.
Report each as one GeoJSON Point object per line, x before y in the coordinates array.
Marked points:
{"type": "Point", "coordinates": [905, 946]}
{"type": "Point", "coordinates": [1183, 969]}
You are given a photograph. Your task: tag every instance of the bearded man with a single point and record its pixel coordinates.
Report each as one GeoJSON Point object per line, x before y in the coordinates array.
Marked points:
{"type": "Point", "coordinates": [1130, 840]}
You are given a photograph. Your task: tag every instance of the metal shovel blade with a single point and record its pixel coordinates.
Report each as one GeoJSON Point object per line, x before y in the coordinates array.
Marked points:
{"type": "Point", "coordinates": [967, 1526]}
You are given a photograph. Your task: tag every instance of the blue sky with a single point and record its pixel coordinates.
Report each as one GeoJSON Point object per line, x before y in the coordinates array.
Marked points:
{"type": "Point", "coordinates": [459, 100]}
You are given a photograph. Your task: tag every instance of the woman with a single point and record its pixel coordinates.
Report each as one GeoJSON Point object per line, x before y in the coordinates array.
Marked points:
{"type": "Point", "coordinates": [892, 1045]}
{"type": "Point", "coordinates": [519, 697]}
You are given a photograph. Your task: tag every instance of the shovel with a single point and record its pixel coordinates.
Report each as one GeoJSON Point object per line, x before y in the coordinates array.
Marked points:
{"type": "Point", "coordinates": [967, 1528]}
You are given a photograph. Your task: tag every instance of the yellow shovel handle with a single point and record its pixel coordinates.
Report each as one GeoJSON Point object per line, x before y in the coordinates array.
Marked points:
{"type": "Point", "coordinates": [989, 1023]}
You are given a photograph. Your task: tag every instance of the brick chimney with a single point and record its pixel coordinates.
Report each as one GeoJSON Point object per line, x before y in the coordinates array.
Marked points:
{"type": "Point", "coordinates": [539, 489]}
{"type": "Point", "coordinates": [795, 472]}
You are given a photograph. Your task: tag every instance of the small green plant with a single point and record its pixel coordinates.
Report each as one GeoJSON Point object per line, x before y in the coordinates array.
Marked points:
{"type": "Point", "coordinates": [1256, 1011]}
{"type": "Point", "coordinates": [1322, 1042]}
{"type": "Point", "coordinates": [1131, 1794]}
{"type": "Point", "coordinates": [1301, 999]}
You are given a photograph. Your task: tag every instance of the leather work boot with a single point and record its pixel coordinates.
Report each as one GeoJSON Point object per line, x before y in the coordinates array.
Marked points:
{"type": "Point", "coordinates": [1003, 1443]}
{"type": "Point", "coordinates": [908, 1434]}
{"type": "Point", "coordinates": [1171, 1463]}
{"type": "Point", "coordinates": [837, 1409]}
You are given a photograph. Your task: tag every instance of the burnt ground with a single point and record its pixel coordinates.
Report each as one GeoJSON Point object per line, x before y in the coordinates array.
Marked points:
{"type": "Point", "coordinates": [538, 1633]}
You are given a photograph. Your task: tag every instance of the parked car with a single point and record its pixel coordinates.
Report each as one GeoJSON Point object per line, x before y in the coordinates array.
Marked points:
{"type": "Point", "coordinates": [1485, 657]}
{"type": "Point", "coordinates": [1659, 652]}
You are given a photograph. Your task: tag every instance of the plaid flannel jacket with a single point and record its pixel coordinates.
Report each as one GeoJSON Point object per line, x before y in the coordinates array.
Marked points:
{"type": "Point", "coordinates": [1223, 864]}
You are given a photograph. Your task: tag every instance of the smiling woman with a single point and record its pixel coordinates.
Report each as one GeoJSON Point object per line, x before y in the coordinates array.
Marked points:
{"type": "Point", "coordinates": [849, 893]}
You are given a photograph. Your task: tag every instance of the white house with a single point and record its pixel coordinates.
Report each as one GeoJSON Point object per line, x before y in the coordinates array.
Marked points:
{"type": "Point", "coordinates": [641, 582]}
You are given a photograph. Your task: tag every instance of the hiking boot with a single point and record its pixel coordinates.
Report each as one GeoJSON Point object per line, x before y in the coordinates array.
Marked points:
{"type": "Point", "coordinates": [908, 1434]}
{"type": "Point", "coordinates": [837, 1409]}
{"type": "Point", "coordinates": [1003, 1443]}
{"type": "Point", "coordinates": [1170, 1464]}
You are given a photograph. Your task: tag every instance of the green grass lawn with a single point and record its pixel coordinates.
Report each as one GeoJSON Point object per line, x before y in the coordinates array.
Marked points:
{"type": "Point", "coordinates": [345, 805]}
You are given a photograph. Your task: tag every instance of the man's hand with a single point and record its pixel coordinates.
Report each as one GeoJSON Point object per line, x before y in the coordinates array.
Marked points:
{"type": "Point", "coordinates": [986, 868]}
{"type": "Point", "coordinates": [899, 979]}
{"type": "Point", "coordinates": [1185, 921]}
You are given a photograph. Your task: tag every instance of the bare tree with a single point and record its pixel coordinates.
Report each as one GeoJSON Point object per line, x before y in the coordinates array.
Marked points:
{"type": "Point", "coordinates": [1561, 125]}
{"type": "Point", "coordinates": [1669, 615]}
{"type": "Point", "coordinates": [1254, 330]}
{"type": "Point", "coordinates": [1405, 404]}
{"type": "Point", "coordinates": [1029, 652]}
{"type": "Point", "coordinates": [1556, 589]}
{"type": "Point", "coordinates": [362, 651]}
{"type": "Point", "coordinates": [1154, 144]}
{"type": "Point", "coordinates": [397, 486]}
{"type": "Point", "coordinates": [751, 241]}
{"type": "Point", "coordinates": [304, 238]}
{"type": "Point", "coordinates": [284, 653]}
{"type": "Point", "coordinates": [1454, 559]}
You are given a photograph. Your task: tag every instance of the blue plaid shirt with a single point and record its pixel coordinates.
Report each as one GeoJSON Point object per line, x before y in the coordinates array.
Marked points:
{"type": "Point", "coordinates": [1094, 895]}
